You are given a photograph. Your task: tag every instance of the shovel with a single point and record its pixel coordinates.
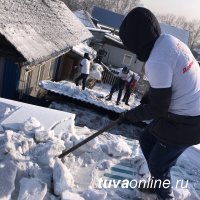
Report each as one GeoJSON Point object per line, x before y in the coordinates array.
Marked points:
{"type": "Point", "coordinates": [110, 125]}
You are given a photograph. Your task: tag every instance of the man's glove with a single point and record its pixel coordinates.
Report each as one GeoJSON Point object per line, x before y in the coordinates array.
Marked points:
{"type": "Point", "coordinates": [145, 99]}
{"type": "Point", "coordinates": [122, 117]}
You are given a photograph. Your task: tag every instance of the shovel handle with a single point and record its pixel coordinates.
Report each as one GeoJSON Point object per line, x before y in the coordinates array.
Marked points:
{"type": "Point", "coordinates": [110, 125]}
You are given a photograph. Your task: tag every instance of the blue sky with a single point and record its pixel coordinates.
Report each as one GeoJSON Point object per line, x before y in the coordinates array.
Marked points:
{"type": "Point", "coordinates": [188, 8]}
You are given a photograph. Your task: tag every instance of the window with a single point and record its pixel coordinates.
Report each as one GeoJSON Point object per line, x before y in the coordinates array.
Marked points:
{"type": "Point", "coordinates": [127, 60]}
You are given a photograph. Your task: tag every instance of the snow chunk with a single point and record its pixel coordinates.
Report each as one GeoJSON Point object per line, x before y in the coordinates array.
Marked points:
{"type": "Point", "coordinates": [63, 130]}
{"type": "Point", "coordinates": [32, 124]}
{"type": "Point", "coordinates": [66, 195]}
{"type": "Point", "coordinates": [105, 164]}
{"type": "Point", "coordinates": [43, 136]}
{"type": "Point", "coordinates": [1, 129]}
{"type": "Point", "coordinates": [92, 194]}
{"type": "Point", "coordinates": [32, 189]}
{"type": "Point", "coordinates": [63, 180]}
{"type": "Point", "coordinates": [17, 143]}
{"type": "Point", "coordinates": [8, 171]}
{"type": "Point", "coordinates": [118, 147]}
{"type": "Point", "coordinates": [45, 153]}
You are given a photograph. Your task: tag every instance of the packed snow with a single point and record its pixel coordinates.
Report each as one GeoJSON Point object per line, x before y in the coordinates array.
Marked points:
{"type": "Point", "coordinates": [30, 167]}
{"type": "Point", "coordinates": [95, 96]}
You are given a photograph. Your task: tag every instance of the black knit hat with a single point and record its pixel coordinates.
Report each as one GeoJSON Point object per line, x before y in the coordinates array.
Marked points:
{"type": "Point", "coordinates": [125, 70]}
{"type": "Point", "coordinates": [139, 31]}
{"type": "Point", "coordinates": [86, 55]}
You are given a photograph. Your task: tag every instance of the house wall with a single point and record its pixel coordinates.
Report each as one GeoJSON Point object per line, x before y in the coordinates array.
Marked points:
{"type": "Point", "coordinates": [31, 76]}
{"type": "Point", "coordinates": [98, 36]}
{"type": "Point", "coordinates": [67, 64]}
{"type": "Point", "coordinates": [69, 69]}
{"type": "Point", "coordinates": [10, 79]}
{"type": "Point", "coordinates": [117, 57]}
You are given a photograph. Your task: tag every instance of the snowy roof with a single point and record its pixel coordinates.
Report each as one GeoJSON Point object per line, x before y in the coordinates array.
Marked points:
{"type": "Point", "coordinates": [40, 29]}
{"type": "Point", "coordinates": [85, 18]}
{"type": "Point", "coordinates": [92, 96]}
{"type": "Point", "coordinates": [98, 30]}
{"type": "Point", "coordinates": [181, 34]}
{"type": "Point", "coordinates": [84, 48]}
{"type": "Point", "coordinates": [114, 38]}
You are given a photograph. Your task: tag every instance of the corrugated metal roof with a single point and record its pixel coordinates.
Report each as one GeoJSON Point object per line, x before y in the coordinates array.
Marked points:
{"type": "Point", "coordinates": [40, 28]}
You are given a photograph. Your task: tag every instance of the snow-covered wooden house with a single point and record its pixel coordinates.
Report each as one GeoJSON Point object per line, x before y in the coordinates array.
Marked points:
{"type": "Point", "coordinates": [34, 39]}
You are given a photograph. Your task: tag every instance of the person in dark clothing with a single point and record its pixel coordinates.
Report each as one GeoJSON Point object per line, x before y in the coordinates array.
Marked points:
{"type": "Point", "coordinates": [100, 54]}
{"type": "Point", "coordinates": [130, 85]}
{"type": "Point", "coordinates": [172, 105]}
{"type": "Point", "coordinates": [119, 84]}
{"type": "Point", "coordinates": [85, 70]}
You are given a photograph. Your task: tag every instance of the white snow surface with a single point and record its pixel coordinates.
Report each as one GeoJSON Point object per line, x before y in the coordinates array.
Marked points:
{"type": "Point", "coordinates": [8, 171]}
{"type": "Point", "coordinates": [95, 96]}
{"type": "Point", "coordinates": [66, 195]}
{"type": "Point", "coordinates": [77, 176]}
{"type": "Point", "coordinates": [63, 180]}
{"type": "Point", "coordinates": [31, 189]}
{"type": "Point", "coordinates": [84, 48]}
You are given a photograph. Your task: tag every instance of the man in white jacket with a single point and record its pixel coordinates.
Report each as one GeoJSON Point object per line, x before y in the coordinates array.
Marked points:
{"type": "Point", "coordinates": [173, 99]}
{"type": "Point", "coordinates": [119, 84]}
{"type": "Point", "coordinates": [85, 71]}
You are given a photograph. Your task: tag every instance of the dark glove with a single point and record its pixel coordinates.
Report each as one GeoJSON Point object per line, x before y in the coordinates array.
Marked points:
{"type": "Point", "coordinates": [122, 117]}
{"type": "Point", "coordinates": [145, 99]}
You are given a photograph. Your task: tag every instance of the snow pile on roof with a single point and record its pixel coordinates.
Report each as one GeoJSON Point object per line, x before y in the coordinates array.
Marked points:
{"type": "Point", "coordinates": [34, 158]}
{"type": "Point", "coordinates": [84, 48]}
{"type": "Point", "coordinates": [28, 166]}
{"type": "Point", "coordinates": [95, 96]}
{"type": "Point", "coordinates": [8, 171]}
{"type": "Point", "coordinates": [40, 29]}
{"type": "Point", "coordinates": [32, 188]}
{"type": "Point", "coordinates": [114, 38]}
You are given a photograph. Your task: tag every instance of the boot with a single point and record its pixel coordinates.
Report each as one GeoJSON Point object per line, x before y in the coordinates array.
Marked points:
{"type": "Point", "coordinates": [117, 102]}
{"type": "Point", "coordinates": [127, 103]}
{"type": "Point", "coordinates": [144, 187]}
{"type": "Point", "coordinates": [109, 97]}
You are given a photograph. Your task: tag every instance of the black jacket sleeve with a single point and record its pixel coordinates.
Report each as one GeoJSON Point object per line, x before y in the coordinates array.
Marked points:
{"type": "Point", "coordinates": [156, 107]}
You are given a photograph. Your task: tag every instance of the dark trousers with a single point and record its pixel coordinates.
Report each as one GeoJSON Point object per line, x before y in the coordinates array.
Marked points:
{"type": "Point", "coordinates": [127, 94]}
{"type": "Point", "coordinates": [118, 86]}
{"type": "Point", "coordinates": [160, 158]}
{"type": "Point", "coordinates": [82, 77]}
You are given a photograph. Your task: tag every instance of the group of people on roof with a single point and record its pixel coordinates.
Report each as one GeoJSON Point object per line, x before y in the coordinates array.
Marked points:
{"type": "Point", "coordinates": [125, 79]}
